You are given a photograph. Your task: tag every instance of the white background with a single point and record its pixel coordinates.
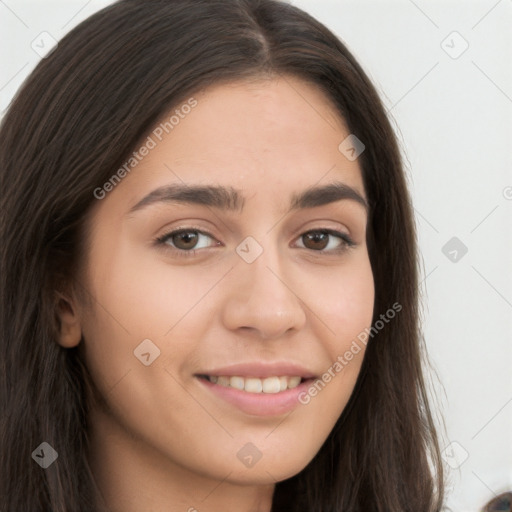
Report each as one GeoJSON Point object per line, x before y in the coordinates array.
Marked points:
{"type": "Point", "coordinates": [453, 116]}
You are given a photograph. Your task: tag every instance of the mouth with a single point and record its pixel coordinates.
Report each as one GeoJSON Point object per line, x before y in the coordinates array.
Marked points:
{"type": "Point", "coordinates": [257, 390]}
{"type": "Point", "coordinates": [267, 385]}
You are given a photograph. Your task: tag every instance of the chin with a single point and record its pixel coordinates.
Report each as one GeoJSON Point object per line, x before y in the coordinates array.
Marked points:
{"type": "Point", "coordinates": [269, 469]}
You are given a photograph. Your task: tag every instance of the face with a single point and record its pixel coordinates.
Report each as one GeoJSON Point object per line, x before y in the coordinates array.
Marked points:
{"type": "Point", "coordinates": [213, 319]}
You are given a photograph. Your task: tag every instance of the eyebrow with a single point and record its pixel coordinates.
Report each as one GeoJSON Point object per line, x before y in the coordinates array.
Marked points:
{"type": "Point", "coordinates": [231, 199]}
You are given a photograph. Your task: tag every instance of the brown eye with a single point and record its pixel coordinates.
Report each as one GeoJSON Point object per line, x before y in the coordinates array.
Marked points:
{"type": "Point", "coordinates": [318, 240]}
{"type": "Point", "coordinates": [184, 239]}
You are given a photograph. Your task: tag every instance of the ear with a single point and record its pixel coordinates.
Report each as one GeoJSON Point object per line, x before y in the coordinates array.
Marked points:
{"type": "Point", "coordinates": [70, 329]}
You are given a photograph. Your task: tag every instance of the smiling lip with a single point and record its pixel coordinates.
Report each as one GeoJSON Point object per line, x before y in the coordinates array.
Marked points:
{"type": "Point", "coordinates": [258, 404]}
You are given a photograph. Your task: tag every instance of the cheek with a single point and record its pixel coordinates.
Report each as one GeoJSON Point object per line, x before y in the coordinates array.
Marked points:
{"type": "Point", "coordinates": [347, 301]}
{"type": "Point", "coordinates": [137, 298]}
{"type": "Point", "coordinates": [346, 310]}
{"type": "Point", "coordinates": [147, 295]}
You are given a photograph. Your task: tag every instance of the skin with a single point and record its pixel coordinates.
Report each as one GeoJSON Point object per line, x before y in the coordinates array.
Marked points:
{"type": "Point", "coordinates": [163, 441]}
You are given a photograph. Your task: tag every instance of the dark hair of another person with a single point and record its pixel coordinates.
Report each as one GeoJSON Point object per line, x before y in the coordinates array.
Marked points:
{"type": "Point", "coordinates": [73, 123]}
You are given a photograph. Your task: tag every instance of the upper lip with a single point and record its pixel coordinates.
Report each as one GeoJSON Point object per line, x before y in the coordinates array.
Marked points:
{"type": "Point", "coordinates": [261, 370]}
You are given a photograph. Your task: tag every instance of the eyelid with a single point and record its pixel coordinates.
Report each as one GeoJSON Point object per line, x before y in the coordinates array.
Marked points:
{"type": "Point", "coordinates": [346, 239]}
{"type": "Point", "coordinates": [161, 240]}
{"type": "Point", "coordinates": [181, 229]}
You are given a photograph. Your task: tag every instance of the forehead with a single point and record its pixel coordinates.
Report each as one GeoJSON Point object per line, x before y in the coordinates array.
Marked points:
{"type": "Point", "coordinates": [268, 137]}
{"type": "Point", "coordinates": [284, 117]}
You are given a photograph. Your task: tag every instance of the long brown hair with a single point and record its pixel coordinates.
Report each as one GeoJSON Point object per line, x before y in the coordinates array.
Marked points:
{"type": "Point", "coordinates": [73, 123]}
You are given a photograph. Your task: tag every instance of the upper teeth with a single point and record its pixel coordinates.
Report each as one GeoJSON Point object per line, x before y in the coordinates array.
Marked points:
{"type": "Point", "coordinates": [255, 385]}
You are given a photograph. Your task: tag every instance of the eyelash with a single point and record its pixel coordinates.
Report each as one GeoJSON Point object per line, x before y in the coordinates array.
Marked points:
{"type": "Point", "coordinates": [162, 241]}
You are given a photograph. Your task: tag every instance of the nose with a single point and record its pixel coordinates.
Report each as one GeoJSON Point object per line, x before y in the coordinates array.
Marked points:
{"type": "Point", "coordinates": [263, 298]}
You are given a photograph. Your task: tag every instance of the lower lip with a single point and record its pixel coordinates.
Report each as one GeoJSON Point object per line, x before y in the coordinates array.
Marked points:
{"type": "Point", "coordinates": [259, 404]}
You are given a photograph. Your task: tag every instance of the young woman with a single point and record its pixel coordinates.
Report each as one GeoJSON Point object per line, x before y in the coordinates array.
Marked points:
{"type": "Point", "coordinates": [209, 273]}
